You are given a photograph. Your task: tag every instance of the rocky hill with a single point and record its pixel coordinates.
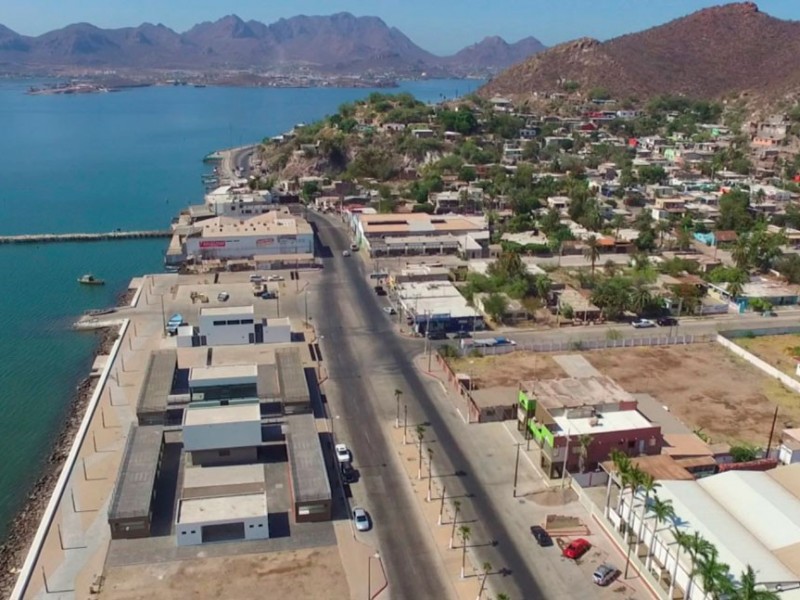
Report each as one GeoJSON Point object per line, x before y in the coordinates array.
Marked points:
{"type": "Point", "coordinates": [340, 42]}
{"type": "Point", "coordinates": [730, 49]}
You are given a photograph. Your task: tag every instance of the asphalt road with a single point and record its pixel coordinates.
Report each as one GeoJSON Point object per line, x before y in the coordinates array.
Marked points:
{"type": "Point", "coordinates": [366, 361]}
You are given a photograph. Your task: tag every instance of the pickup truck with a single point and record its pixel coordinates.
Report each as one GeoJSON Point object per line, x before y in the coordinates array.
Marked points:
{"type": "Point", "coordinates": [174, 322]}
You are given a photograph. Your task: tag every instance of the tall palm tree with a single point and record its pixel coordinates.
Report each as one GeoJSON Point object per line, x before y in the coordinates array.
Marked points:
{"type": "Point", "coordinates": [648, 486]}
{"type": "Point", "coordinates": [747, 588]}
{"type": "Point", "coordinates": [464, 532]}
{"type": "Point", "coordinates": [661, 228]}
{"type": "Point", "coordinates": [584, 441]}
{"type": "Point", "coordinates": [420, 437]}
{"type": "Point", "coordinates": [741, 253]}
{"type": "Point", "coordinates": [635, 480]}
{"type": "Point", "coordinates": [736, 284]}
{"type": "Point", "coordinates": [662, 512]}
{"type": "Point", "coordinates": [682, 542]}
{"type": "Point", "coordinates": [487, 567]}
{"type": "Point", "coordinates": [715, 575]}
{"type": "Point", "coordinates": [698, 547]}
{"type": "Point", "coordinates": [640, 299]}
{"type": "Point", "coordinates": [592, 250]}
{"type": "Point", "coordinates": [617, 222]}
{"type": "Point", "coordinates": [621, 463]}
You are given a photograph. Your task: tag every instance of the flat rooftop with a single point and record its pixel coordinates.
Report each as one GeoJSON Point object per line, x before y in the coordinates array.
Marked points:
{"type": "Point", "coordinates": [292, 376]}
{"type": "Point", "coordinates": [603, 422]}
{"type": "Point", "coordinates": [660, 466]}
{"type": "Point", "coordinates": [571, 392]}
{"type": "Point", "coordinates": [212, 413]}
{"type": "Point", "coordinates": [198, 375]}
{"type": "Point", "coordinates": [205, 482]}
{"type": "Point", "coordinates": [307, 464]}
{"type": "Point", "coordinates": [133, 491]}
{"type": "Point", "coordinates": [220, 311]}
{"type": "Point", "coordinates": [158, 380]}
{"type": "Point", "coordinates": [222, 508]}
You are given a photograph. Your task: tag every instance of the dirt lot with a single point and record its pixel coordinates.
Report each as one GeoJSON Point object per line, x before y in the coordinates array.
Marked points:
{"type": "Point", "coordinates": [703, 385]}
{"type": "Point", "coordinates": [777, 350]}
{"type": "Point", "coordinates": [313, 573]}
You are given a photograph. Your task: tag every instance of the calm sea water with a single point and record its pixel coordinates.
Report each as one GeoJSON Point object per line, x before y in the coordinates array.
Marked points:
{"type": "Point", "coordinates": [98, 162]}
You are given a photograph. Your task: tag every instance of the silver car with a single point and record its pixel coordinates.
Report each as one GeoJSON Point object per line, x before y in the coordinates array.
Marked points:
{"type": "Point", "coordinates": [604, 574]}
{"type": "Point", "coordinates": [361, 519]}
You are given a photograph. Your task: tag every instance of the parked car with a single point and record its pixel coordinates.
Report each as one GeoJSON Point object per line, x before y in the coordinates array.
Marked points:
{"type": "Point", "coordinates": [353, 247]}
{"type": "Point", "coordinates": [361, 519]}
{"type": "Point", "coordinates": [223, 296]}
{"type": "Point", "coordinates": [436, 334]}
{"type": "Point", "coordinates": [540, 534]}
{"type": "Point", "coordinates": [380, 290]}
{"type": "Point", "coordinates": [643, 323]}
{"type": "Point", "coordinates": [268, 295]}
{"type": "Point", "coordinates": [275, 278]}
{"type": "Point", "coordinates": [255, 278]}
{"type": "Point", "coordinates": [604, 574]}
{"type": "Point", "coordinates": [389, 310]}
{"type": "Point", "coordinates": [342, 453]}
{"type": "Point", "coordinates": [667, 321]}
{"type": "Point", "coordinates": [576, 548]}
{"type": "Point", "coordinates": [458, 335]}
{"type": "Point", "coordinates": [348, 472]}
{"type": "Point", "coordinates": [345, 253]}
{"type": "Point", "coordinates": [769, 313]}
{"type": "Point", "coordinates": [174, 322]}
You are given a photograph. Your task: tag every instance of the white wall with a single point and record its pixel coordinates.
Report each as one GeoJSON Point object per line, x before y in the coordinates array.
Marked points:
{"type": "Point", "coordinates": [191, 534]}
{"type": "Point", "coordinates": [226, 335]}
{"type": "Point", "coordinates": [221, 435]}
{"type": "Point", "coordinates": [785, 379]}
{"type": "Point", "coordinates": [279, 333]}
{"type": "Point", "coordinates": [247, 246]}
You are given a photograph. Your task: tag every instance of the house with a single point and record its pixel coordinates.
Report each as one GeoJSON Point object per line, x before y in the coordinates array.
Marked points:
{"type": "Point", "coordinates": [501, 104]}
{"type": "Point", "coordinates": [579, 421]}
{"type": "Point", "coordinates": [789, 448]}
{"type": "Point", "coordinates": [560, 203]}
{"type": "Point", "coordinates": [514, 313]}
{"type": "Point", "coordinates": [582, 309]}
{"type": "Point", "coordinates": [422, 134]}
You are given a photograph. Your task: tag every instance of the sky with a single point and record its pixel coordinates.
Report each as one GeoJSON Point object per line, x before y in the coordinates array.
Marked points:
{"type": "Point", "coordinates": [439, 26]}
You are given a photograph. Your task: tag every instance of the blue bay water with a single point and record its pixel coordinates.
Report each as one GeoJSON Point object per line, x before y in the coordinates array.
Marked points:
{"type": "Point", "coordinates": [128, 160]}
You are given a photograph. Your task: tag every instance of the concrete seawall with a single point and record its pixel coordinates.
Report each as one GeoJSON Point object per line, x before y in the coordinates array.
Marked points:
{"type": "Point", "coordinates": [43, 238]}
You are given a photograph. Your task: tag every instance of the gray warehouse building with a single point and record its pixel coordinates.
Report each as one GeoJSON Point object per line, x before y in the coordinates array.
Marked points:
{"type": "Point", "coordinates": [311, 489]}
{"type": "Point", "coordinates": [131, 509]}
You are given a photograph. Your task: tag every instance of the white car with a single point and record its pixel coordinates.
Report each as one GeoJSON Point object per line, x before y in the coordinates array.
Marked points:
{"type": "Point", "coordinates": [361, 519]}
{"type": "Point", "coordinates": [389, 310]}
{"type": "Point", "coordinates": [275, 278]}
{"type": "Point", "coordinates": [346, 253]}
{"type": "Point", "coordinates": [342, 453]}
{"type": "Point", "coordinates": [223, 296]}
{"type": "Point", "coordinates": [643, 323]}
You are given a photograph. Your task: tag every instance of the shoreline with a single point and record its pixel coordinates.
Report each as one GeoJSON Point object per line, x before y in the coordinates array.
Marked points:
{"type": "Point", "coordinates": [22, 527]}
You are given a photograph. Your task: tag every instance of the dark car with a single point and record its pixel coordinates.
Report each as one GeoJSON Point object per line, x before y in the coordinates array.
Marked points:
{"type": "Point", "coordinates": [542, 537]}
{"type": "Point", "coordinates": [380, 290]}
{"type": "Point", "coordinates": [458, 335]}
{"type": "Point", "coordinates": [348, 473]}
{"type": "Point", "coordinates": [667, 321]}
{"type": "Point", "coordinates": [436, 335]}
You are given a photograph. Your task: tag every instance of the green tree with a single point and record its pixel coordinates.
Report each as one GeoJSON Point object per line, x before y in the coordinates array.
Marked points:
{"type": "Point", "coordinates": [640, 299]}
{"type": "Point", "coordinates": [715, 575]}
{"type": "Point", "coordinates": [591, 250]}
{"type": "Point", "coordinates": [652, 174]}
{"type": "Point", "coordinates": [508, 266]}
{"type": "Point", "coordinates": [662, 512]}
{"type": "Point", "coordinates": [584, 441]}
{"type": "Point", "coordinates": [464, 532]}
{"type": "Point", "coordinates": [487, 568]}
{"type": "Point", "coordinates": [733, 211]}
{"type": "Point", "coordinates": [633, 480]}
{"type": "Point", "coordinates": [698, 547]}
{"type": "Point", "coordinates": [743, 453]}
{"type": "Point", "coordinates": [495, 306]}
{"type": "Point", "coordinates": [462, 121]}
{"type": "Point", "coordinates": [789, 266]}
{"type": "Point", "coordinates": [747, 589]}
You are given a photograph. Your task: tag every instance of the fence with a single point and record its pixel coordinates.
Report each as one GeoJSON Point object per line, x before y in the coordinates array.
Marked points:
{"type": "Point", "coordinates": [598, 344]}
{"type": "Point", "coordinates": [790, 382]}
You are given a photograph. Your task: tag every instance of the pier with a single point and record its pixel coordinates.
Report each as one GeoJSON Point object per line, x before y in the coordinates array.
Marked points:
{"type": "Point", "coordinates": [48, 238]}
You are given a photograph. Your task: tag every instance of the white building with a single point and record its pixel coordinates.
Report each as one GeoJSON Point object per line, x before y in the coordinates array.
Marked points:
{"type": "Point", "coordinates": [222, 504]}
{"type": "Point", "coordinates": [227, 325]}
{"type": "Point", "coordinates": [228, 201]}
{"type": "Point", "coordinates": [272, 233]}
{"type": "Point", "coordinates": [222, 432]}
{"type": "Point", "coordinates": [223, 381]}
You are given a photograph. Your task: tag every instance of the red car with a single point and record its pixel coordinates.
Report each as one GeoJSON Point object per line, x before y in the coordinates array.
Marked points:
{"type": "Point", "coordinates": [576, 548]}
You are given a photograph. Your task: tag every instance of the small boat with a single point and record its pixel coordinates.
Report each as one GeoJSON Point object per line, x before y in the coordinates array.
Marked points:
{"type": "Point", "coordinates": [90, 279]}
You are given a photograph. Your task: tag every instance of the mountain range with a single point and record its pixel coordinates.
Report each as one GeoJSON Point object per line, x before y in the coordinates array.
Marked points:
{"type": "Point", "coordinates": [340, 42]}
{"type": "Point", "coordinates": [734, 49]}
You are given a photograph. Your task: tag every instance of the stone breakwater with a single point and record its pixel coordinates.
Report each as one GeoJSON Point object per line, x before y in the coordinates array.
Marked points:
{"type": "Point", "coordinates": [23, 527]}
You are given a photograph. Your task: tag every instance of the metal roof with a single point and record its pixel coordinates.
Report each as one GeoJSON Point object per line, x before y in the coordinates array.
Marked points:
{"type": "Point", "coordinates": [309, 473]}
{"type": "Point", "coordinates": [133, 491]}
{"type": "Point", "coordinates": [292, 376]}
{"type": "Point", "coordinates": [268, 386]}
{"type": "Point", "coordinates": [157, 382]}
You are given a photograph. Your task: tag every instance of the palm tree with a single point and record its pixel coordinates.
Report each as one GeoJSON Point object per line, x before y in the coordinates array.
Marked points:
{"type": "Point", "coordinates": [584, 441]}
{"type": "Point", "coordinates": [617, 222]}
{"type": "Point", "coordinates": [464, 533]}
{"type": "Point", "coordinates": [741, 253]}
{"type": "Point", "coordinates": [736, 284]}
{"type": "Point", "coordinates": [543, 287]}
{"type": "Point", "coordinates": [635, 480]}
{"type": "Point", "coordinates": [592, 250]}
{"type": "Point", "coordinates": [662, 512]}
{"type": "Point", "coordinates": [487, 567]}
{"type": "Point", "coordinates": [682, 542]}
{"type": "Point", "coordinates": [698, 547]}
{"type": "Point", "coordinates": [648, 485]}
{"type": "Point", "coordinates": [640, 299]}
{"type": "Point", "coordinates": [420, 436]}
{"type": "Point", "coordinates": [661, 228]}
{"type": "Point", "coordinates": [457, 509]}
{"type": "Point", "coordinates": [621, 464]}
{"type": "Point", "coordinates": [747, 588]}
{"type": "Point", "coordinates": [715, 575]}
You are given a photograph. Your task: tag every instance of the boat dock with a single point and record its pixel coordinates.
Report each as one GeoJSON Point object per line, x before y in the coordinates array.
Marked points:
{"type": "Point", "coordinates": [45, 238]}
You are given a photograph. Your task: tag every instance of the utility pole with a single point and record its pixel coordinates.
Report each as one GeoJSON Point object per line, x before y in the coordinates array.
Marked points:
{"type": "Point", "coordinates": [405, 423]}
{"type": "Point", "coordinates": [397, 394]}
{"type": "Point", "coordinates": [430, 342]}
{"type": "Point", "coordinates": [771, 432]}
{"type": "Point", "coordinates": [516, 469]}
{"type": "Point", "coordinates": [441, 505]}
{"type": "Point", "coordinates": [430, 471]}
{"type": "Point", "coordinates": [566, 458]}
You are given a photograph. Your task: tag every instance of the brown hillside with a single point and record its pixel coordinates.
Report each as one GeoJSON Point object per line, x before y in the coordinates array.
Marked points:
{"type": "Point", "coordinates": [710, 53]}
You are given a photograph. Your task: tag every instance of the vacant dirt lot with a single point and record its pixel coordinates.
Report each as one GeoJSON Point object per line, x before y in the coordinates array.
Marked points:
{"type": "Point", "coordinates": [702, 384]}
{"type": "Point", "coordinates": [777, 350]}
{"type": "Point", "coordinates": [313, 573]}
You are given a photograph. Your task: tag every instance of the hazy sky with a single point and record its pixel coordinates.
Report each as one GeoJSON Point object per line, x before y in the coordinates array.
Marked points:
{"type": "Point", "coordinates": [440, 26]}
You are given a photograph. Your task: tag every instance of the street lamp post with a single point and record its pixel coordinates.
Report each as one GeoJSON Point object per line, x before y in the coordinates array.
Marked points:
{"type": "Point", "coordinates": [516, 470]}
